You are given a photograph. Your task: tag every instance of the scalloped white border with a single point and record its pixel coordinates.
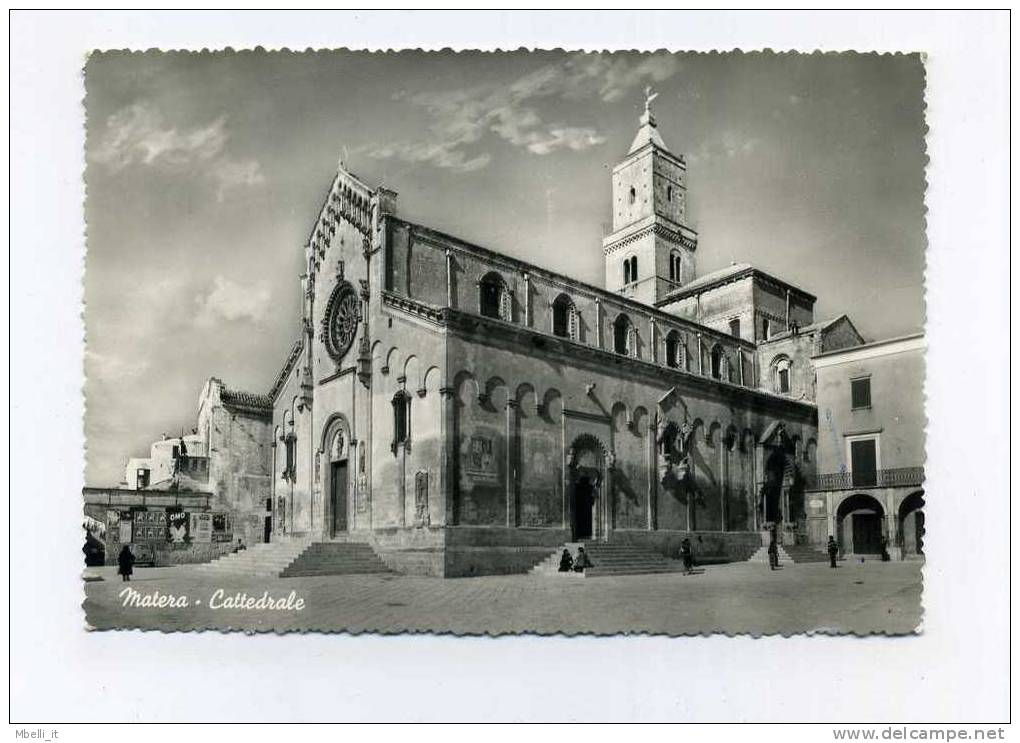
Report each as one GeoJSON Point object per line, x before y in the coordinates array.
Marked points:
{"type": "Point", "coordinates": [955, 670]}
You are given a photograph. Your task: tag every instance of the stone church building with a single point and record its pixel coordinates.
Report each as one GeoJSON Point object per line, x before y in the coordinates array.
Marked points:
{"type": "Point", "coordinates": [466, 412]}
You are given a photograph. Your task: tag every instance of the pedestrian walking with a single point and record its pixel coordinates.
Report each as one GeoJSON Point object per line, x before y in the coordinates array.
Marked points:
{"type": "Point", "coordinates": [773, 553]}
{"type": "Point", "coordinates": [687, 556]}
{"type": "Point", "coordinates": [125, 563]}
{"type": "Point", "coordinates": [833, 549]}
{"type": "Point", "coordinates": [883, 545]}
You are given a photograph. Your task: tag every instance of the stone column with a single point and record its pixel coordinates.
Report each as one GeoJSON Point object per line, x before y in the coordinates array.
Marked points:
{"type": "Point", "coordinates": [653, 340]}
{"type": "Point", "coordinates": [449, 278]}
{"type": "Point", "coordinates": [893, 525]}
{"type": "Point", "coordinates": [724, 482]}
{"type": "Point", "coordinates": [527, 300]}
{"type": "Point", "coordinates": [740, 368]}
{"type": "Point", "coordinates": [447, 452]}
{"type": "Point", "coordinates": [511, 463]}
{"type": "Point", "coordinates": [830, 516]}
{"type": "Point", "coordinates": [653, 474]}
{"type": "Point", "coordinates": [701, 356]}
{"type": "Point", "coordinates": [598, 323]}
{"type": "Point", "coordinates": [608, 507]}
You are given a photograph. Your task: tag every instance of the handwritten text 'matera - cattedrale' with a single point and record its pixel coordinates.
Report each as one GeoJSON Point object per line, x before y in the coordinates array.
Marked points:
{"type": "Point", "coordinates": [219, 600]}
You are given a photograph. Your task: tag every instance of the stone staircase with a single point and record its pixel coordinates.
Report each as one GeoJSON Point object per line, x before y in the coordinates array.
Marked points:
{"type": "Point", "coordinates": [806, 553]}
{"type": "Point", "coordinates": [791, 553]}
{"type": "Point", "coordinates": [610, 559]}
{"type": "Point", "coordinates": [264, 559]}
{"type": "Point", "coordinates": [297, 557]}
{"type": "Point", "coordinates": [336, 558]}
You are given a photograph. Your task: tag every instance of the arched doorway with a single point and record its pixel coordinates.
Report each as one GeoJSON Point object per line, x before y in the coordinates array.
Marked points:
{"type": "Point", "coordinates": [772, 488]}
{"type": "Point", "coordinates": [911, 523]}
{"type": "Point", "coordinates": [337, 473]}
{"type": "Point", "coordinates": [586, 489]}
{"type": "Point", "coordinates": [859, 525]}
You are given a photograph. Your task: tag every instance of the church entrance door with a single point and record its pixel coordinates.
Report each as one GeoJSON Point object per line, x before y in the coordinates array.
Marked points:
{"type": "Point", "coordinates": [338, 496]}
{"type": "Point", "coordinates": [584, 508]}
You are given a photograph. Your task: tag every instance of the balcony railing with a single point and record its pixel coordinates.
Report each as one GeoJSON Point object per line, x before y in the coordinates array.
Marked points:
{"type": "Point", "coordinates": [891, 478]}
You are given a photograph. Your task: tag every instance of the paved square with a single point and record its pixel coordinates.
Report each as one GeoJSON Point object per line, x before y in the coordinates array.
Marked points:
{"type": "Point", "coordinates": [872, 597]}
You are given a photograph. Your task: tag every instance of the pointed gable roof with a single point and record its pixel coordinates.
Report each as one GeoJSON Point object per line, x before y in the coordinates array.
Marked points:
{"type": "Point", "coordinates": [648, 133]}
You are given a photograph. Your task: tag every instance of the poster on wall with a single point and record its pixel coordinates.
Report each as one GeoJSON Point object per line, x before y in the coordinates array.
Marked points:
{"type": "Point", "coordinates": [149, 526]}
{"type": "Point", "coordinates": [177, 523]}
{"type": "Point", "coordinates": [201, 528]}
{"type": "Point", "coordinates": [221, 529]}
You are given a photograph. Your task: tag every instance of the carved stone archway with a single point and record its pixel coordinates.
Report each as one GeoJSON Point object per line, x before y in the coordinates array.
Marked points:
{"type": "Point", "coordinates": [588, 489]}
{"type": "Point", "coordinates": [335, 473]}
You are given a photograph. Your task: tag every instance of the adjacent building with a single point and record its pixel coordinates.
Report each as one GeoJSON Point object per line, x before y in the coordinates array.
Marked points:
{"type": "Point", "coordinates": [870, 464]}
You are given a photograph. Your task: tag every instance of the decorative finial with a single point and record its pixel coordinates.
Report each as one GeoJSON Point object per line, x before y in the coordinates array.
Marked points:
{"type": "Point", "coordinates": [341, 162]}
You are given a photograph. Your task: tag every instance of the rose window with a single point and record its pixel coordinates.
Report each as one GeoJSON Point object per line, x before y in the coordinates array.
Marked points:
{"type": "Point", "coordinates": [340, 324]}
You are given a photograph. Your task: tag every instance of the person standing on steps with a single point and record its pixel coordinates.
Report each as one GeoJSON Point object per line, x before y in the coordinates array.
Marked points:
{"type": "Point", "coordinates": [833, 549]}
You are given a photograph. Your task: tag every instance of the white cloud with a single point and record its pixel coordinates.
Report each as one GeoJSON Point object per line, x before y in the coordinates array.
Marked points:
{"type": "Point", "coordinates": [234, 173]}
{"type": "Point", "coordinates": [230, 301]}
{"type": "Point", "coordinates": [138, 135]}
{"type": "Point", "coordinates": [113, 366]}
{"type": "Point", "coordinates": [460, 118]}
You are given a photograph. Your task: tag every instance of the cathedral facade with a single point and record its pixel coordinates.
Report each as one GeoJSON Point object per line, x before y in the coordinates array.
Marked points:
{"type": "Point", "coordinates": [466, 412]}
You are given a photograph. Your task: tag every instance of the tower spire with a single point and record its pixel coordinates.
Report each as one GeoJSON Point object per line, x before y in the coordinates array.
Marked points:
{"type": "Point", "coordinates": [648, 131]}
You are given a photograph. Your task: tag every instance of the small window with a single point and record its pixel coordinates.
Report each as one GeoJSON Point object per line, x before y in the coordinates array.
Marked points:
{"type": "Point", "coordinates": [633, 195]}
{"type": "Point", "coordinates": [626, 270]}
{"type": "Point", "coordinates": [718, 363]}
{"type": "Point", "coordinates": [765, 328]}
{"type": "Point", "coordinates": [564, 317]}
{"type": "Point", "coordinates": [494, 297]}
{"type": "Point", "coordinates": [142, 478]}
{"type": "Point", "coordinates": [622, 335]}
{"type": "Point", "coordinates": [735, 327]}
{"type": "Point", "coordinates": [401, 418]}
{"type": "Point", "coordinates": [633, 268]}
{"type": "Point", "coordinates": [781, 375]}
{"type": "Point", "coordinates": [290, 446]}
{"type": "Point", "coordinates": [860, 393]}
{"type": "Point", "coordinates": [669, 193]}
{"type": "Point", "coordinates": [674, 350]}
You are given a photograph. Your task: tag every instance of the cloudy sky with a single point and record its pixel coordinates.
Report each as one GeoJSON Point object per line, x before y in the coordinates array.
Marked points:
{"type": "Point", "coordinates": [204, 174]}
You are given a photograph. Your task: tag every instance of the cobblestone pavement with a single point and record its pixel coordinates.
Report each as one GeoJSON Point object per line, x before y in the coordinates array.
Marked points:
{"type": "Point", "coordinates": [737, 598]}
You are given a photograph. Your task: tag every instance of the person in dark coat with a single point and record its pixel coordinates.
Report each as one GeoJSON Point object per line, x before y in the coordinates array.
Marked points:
{"type": "Point", "coordinates": [566, 561]}
{"type": "Point", "coordinates": [773, 553]}
{"type": "Point", "coordinates": [883, 545]}
{"type": "Point", "coordinates": [833, 549]}
{"type": "Point", "coordinates": [581, 561]}
{"type": "Point", "coordinates": [125, 563]}
{"type": "Point", "coordinates": [687, 555]}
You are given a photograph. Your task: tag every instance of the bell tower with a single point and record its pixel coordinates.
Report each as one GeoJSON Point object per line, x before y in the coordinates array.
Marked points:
{"type": "Point", "coordinates": [650, 251]}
